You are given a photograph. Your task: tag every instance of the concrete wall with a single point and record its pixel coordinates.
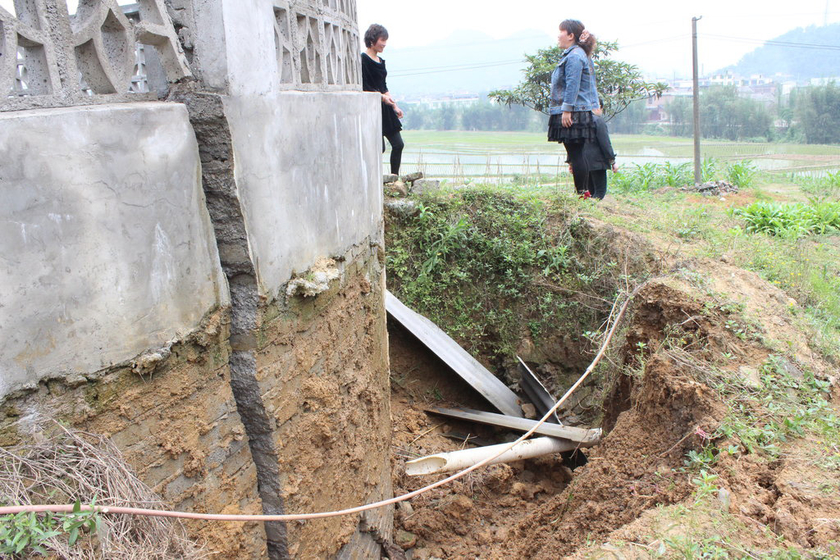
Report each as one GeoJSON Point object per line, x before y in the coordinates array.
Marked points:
{"type": "Point", "coordinates": [107, 249]}
{"type": "Point", "coordinates": [185, 225]}
{"type": "Point", "coordinates": [307, 173]}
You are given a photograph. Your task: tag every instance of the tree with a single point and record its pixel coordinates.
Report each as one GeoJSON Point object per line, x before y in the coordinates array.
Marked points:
{"type": "Point", "coordinates": [619, 83]}
{"type": "Point", "coordinates": [818, 111]}
{"type": "Point", "coordinates": [447, 118]}
{"type": "Point", "coordinates": [725, 114]}
{"type": "Point", "coordinates": [632, 120]}
{"type": "Point", "coordinates": [681, 116]}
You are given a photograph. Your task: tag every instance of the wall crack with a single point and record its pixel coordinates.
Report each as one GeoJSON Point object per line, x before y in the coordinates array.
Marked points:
{"type": "Point", "coordinates": [207, 116]}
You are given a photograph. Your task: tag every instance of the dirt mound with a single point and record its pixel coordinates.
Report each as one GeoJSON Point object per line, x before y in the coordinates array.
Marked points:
{"type": "Point", "coordinates": [636, 466]}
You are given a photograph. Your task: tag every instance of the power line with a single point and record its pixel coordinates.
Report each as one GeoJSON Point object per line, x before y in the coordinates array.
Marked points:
{"type": "Point", "coordinates": [814, 46]}
{"type": "Point", "coordinates": [435, 70]}
{"type": "Point", "coordinates": [402, 50]}
{"type": "Point", "coordinates": [654, 41]}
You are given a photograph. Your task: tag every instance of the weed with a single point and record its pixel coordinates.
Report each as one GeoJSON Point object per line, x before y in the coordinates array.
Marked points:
{"type": "Point", "coordinates": [490, 265]}
{"type": "Point", "coordinates": [791, 220]}
{"type": "Point", "coordinates": [822, 188]}
{"type": "Point", "coordinates": [741, 174]}
{"type": "Point", "coordinates": [25, 532]}
{"type": "Point", "coordinates": [708, 169]}
{"type": "Point", "coordinates": [792, 406]}
{"type": "Point", "coordinates": [701, 460]}
{"type": "Point", "coordinates": [676, 175]}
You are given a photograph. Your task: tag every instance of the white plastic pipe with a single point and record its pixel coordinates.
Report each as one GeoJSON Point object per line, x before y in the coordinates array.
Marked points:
{"type": "Point", "coordinates": [457, 460]}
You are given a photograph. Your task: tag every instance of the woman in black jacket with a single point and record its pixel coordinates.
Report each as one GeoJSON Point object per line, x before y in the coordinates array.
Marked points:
{"type": "Point", "coordinates": [373, 79]}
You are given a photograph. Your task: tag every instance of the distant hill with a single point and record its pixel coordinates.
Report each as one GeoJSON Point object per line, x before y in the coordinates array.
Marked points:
{"type": "Point", "coordinates": [466, 61]}
{"type": "Point", "coordinates": [801, 62]}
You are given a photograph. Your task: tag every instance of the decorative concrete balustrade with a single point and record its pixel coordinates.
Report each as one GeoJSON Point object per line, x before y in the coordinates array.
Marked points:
{"type": "Point", "coordinates": [104, 52]}
{"type": "Point", "coordinates": [50, 58]}
{"type": "Point", "coordinates": [317, 44]}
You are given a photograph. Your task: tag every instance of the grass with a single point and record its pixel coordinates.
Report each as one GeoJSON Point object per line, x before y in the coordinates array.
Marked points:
{"type": "Point", "coordinates": [514, 248]}
{"type": "Point", "coordinates": [791, 220]}
{"type": "Point", "coordinates": [807, 268]}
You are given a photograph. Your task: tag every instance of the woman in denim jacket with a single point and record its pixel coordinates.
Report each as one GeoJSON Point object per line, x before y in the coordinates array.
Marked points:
{"type": "Point", "coordinates": [574, 97]}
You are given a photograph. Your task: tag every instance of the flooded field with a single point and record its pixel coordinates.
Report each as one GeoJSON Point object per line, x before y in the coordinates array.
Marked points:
{"type": "Point", "coordinates": [503, 155]}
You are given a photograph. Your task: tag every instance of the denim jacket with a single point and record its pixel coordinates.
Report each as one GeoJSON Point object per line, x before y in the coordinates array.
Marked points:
{"type": "Point", "coordinates": [573, 83]}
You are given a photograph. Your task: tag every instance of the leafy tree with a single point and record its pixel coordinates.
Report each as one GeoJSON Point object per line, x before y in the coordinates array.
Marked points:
{"type": "Point", "coordinates": [725, 114]}
{"type": "Point", "coordinates": [447, 118]}
{"type": "Point", "coordinates": [416, 116]}
{"type": "Point", "coordinates": [619, 83]}
{"type": "Point", "coordinates": [818, 112]}
{"type": "Point", "coordinates": [632, 120]}
{"type": "Point", "coordinates": [681, 116]}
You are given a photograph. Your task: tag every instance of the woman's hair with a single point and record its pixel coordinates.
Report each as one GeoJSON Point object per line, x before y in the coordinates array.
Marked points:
{"type": "Point", "coordinates": [577, 29]}
{"type": "Point", "coordinates": [373, 34]}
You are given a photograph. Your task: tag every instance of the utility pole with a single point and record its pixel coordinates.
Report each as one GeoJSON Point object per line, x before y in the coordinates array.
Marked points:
{"type": "Point", "coordinates": [697, 174]}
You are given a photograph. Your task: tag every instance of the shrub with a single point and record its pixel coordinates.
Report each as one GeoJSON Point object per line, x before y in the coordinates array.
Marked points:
{"type": "Point", "coordinates": [791, 220]}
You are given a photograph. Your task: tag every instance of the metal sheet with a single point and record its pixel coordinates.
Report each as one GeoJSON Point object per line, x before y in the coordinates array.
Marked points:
{"type": "Point", "coordinates": [536, 392]}
{"type": "Point", "coordinates": [470, 370]}
{"type": "Point", "coordinates": [585, 437]}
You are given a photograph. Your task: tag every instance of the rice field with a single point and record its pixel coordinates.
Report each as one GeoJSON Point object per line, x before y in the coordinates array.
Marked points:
{"type": "Point", "coordinates": [499, 156]}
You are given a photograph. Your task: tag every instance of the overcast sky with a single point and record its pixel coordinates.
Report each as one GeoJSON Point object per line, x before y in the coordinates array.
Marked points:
{"type": "Point", "coordinates": [654, 34]}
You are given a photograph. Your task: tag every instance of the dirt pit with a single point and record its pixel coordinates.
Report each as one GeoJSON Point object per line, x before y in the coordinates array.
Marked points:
{"type": "Point", "coordinates": [659, 409]}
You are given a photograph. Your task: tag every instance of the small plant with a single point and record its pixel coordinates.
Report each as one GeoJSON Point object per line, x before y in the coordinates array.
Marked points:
{"type": "Point", "coordinates": [30, 532]}
{"type": "Point", "coordinates": [676, 175]}
{"type": "Point", "coordinates": [822, 188]}
{"type": "Point", "coordinates": [646, 176]}
{"type": "Point", "coordinates": [791, 220]}
{"type": "Point", "coordinates": [741, 174]}
{"type": "Point", "coordinates": [708, 169]}
{"type": "Point", "coordinates": [701, 460]}
{"type": "Point", "coordinates": [704, 484]}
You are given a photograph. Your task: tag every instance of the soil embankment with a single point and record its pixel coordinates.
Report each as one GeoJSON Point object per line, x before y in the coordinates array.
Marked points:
{"type": "Point", "coordinates": [697, 449]}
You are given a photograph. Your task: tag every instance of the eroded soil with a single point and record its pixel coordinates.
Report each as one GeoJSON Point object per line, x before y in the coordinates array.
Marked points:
{"type": "Point", "coordinates": [635, 485]}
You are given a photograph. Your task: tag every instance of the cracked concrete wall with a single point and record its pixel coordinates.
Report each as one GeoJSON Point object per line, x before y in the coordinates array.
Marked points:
{"type": "Point", "coordinates": [306, 188]}
{"type": "Point", "coordinates": [291, 180]}
{"type": "Point", "coordinates": [103, 259]}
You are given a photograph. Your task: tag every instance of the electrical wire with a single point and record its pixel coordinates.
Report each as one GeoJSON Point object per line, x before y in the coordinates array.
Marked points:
{"type": "Point", "coordinates": [616, 321]}
{"type": "Point", "coordinates": [435, 70]}
{"type": "Point", "coordinates": [772, 42]}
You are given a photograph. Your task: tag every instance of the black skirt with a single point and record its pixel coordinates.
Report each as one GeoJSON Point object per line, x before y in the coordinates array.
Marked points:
{"type": "Point", "coordinates": [582, 129]}
{"type": "Point", "coordinates": [390, 121]}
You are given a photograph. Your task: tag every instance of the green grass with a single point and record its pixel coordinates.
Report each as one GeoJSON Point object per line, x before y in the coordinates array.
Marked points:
{"type": "Point", "coordinates": [791, 220]}
{"type": "Point", "coordinates": [485, 264]}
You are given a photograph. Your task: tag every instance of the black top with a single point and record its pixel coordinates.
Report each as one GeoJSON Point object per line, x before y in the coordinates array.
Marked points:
{"type": "Point", "coordinates": [374, 74]}
{"type": "Point", "coordinates": [373, 79]}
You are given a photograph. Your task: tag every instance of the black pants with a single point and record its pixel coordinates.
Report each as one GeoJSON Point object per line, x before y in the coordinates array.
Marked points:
{"type": "Point", "coordinates": [598, 183]}
{"type": "Point", "coordinates": [397, 146]}
{"type": "Point", "coordinates": [580, 167]}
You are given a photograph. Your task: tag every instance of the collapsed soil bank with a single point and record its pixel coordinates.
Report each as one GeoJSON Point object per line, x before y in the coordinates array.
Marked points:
{"type": "Point", "coordinates": [695, 325]}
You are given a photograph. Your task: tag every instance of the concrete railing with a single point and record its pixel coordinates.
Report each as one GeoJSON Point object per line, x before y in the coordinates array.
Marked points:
{"type": "Point", "coordinates": [50, 58]}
